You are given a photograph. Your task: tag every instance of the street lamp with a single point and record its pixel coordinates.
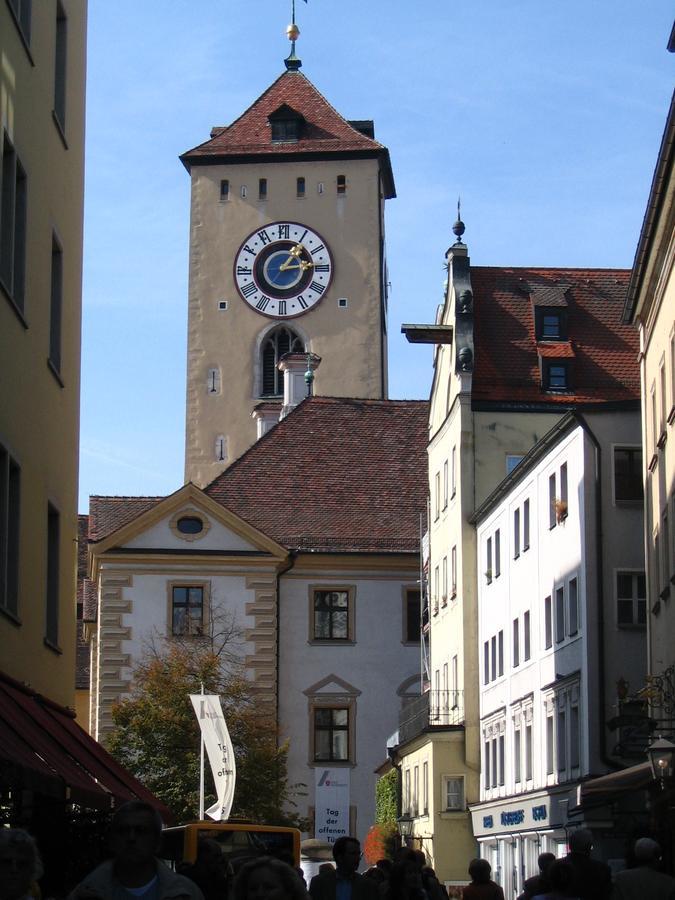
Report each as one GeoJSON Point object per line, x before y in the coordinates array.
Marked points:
{"type": "Point", "coordinates": [660, 753]}
{"type": "Point", "coordinates": [405, 827]}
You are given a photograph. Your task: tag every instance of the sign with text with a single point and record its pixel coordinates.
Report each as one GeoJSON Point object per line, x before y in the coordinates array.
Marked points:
{"type": "Point", "coordinates": [331, 804]}
{"type": "Point", "coordinates": [218, 745]}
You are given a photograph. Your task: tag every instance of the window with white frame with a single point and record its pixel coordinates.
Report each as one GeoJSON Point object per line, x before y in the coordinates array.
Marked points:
{"type": "Point", "coordinates": [488, 560]}
{"type": "Point", "coordinates": [453, 793]}
{"type": "Point", "coordinates": [498, 553]}
{"type": "Point", "coordinates": [445, 484]}
{"type": "Point", "coordinates": [494, 734]}
{"type": "Point", "coordinates": [415, 791]}
{"type": "Point", "coordinates": [455, 683]}
{"type": "Point", "coordinates": [526, 525]}
{"type": "Point", "coordinates": [526, 635]}
{"type": "Point", "coordinates": [453, 571]}
{"type": "Point", "coordinates": [548, 624]}
{"type": "Point", "coordinates": [516, 533]}
{"type": "Point", "coordinates": [563, 744]}
{"type": "Point", "coordinates": [516, 644]}
{"type": "Point", "coordinates": [631, 598]}
{"type": "Point", "coordinates": [437, 495]}
{"type": "Point", "coordinates": [628, 486]}
{"type": "Point", "coordinates": [559, 615]}
{"type": "Point", "coordinates": [445, 580]}
{"type": "Point", "coordinates": [453, 472]}
{"type": "Point", "coordinates": [572, 607]}
{"type": "Point", "coordinates": [517, 755]}
{"type": "Point", "coordinates": [425, 788]}
{"type": "Point", "coordinates": [551, 502]}
{"type": "Point", "coordinates": [407, 804]}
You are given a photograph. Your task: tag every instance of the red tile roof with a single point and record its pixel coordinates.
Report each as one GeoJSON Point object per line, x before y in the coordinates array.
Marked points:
{"type": "Point", "coordinates": [325, 130]}
{"type": "Point", "coordinates": [604, 365]}
{"type": "Point", "coordinates": [107, 514]}
{"type": "Point", "coordinates": [335, 475]}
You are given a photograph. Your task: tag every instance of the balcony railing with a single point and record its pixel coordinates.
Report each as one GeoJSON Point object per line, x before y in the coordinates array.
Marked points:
{"type": "Point", "coordinates": [430, 710]}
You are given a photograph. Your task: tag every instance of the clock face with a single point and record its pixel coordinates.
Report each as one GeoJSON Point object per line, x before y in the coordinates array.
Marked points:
{"type": "Point", "coordinates": [283, 269]}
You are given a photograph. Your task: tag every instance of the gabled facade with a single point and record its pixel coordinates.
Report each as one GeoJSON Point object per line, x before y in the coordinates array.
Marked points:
{"type": "Point", "coordinates": [309, 546]}
{"type": "Point", "coordinates": [515, 350]}
{"type": "Point", "coordinates": [286, 255]}
{"type": "Point", "coordinates": [561, 625]}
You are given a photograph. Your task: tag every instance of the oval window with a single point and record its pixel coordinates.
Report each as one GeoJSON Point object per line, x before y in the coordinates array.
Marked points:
{"type": "Point", "coordinates": [189, 525]}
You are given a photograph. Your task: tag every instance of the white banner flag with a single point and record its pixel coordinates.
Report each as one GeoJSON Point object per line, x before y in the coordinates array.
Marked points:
{"type": "Point", "coordinates": [331, 804]}
{"type": "Point", "coordinates": [219, 749]}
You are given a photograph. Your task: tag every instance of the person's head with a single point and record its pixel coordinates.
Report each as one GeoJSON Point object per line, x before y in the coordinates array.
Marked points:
{"type": "Point", "coordinates": [420, 858]}
{"type": "Point", "coordinates": [480, 870]}
{"type": "Point", "coordinates": [135, 834]}
{"type": "Point", "coordinates": [347, 854]}
{"type": "Point", "coordinates": [544, 861]}
{"type": "Point", "coordinates": [581, 841]}
{"type": "Point", "coordinates": [20, 863]}
{"type": "Point", "coordinates": [385, 865]}
{"type": "Point", "coordinates": [375, 874]}
{"type": "Point", "coordinates": [266, 878]}
{"type": "Point", "coordinates": [211, 860]}
{"type": "Point", "coordinates": [646, 852]}
{"type": "Point", "coordinates": [560, 876]}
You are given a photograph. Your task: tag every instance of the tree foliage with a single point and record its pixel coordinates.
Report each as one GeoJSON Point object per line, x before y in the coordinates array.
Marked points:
{"type": "Point", "coordinates": [156, 734]}
{"type": "Point", "coordinates": [386, 798]}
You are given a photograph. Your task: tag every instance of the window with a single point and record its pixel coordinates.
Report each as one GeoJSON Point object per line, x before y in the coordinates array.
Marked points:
{"type": "Point", "coordinates": [528, 753]}
{"type": "Point", "coordinates": [425, 788]}
{"type": "Point", "coordinates": [498, 554]}
{"type": "Point", "coordinates": [407, 805]}
{"type": "Point", "coordinates": [453, 569]}
{"type": "Point", "coordinates": [628, 488]}
{"type": "Point", "coordinates": [331, 734]}
{"type": "Point", "coordinates": [436, 588]}
{"type": "Point", "coordinates": [562, 507]}
{"type": "Point", "coordinates": [526, 635]}
{"type": "Point", "coordinates": [556, 376]}
{"type": "Point", "coordinates": [341, 184]}
{"type": "Point", "coordinates": [412, 615]}
{"type": "Point", "coordinates": [550, 326]}
{"type": "Point", "coordinates": [190, 525]}
{"type": "Point", "coordinates": [495, 774]}
{"type": "Point", "coordinates": [512, 460]}
{"type": "Point", "coordinates": [551, 502]}
{"type": "Point", "coordinates": [573, 606]}
{"type": "Point", "coordinates": [56, 305]}
{"type": "Point", "coordinates": [416, 791]}
{"type": "Point", "coordinates": [332, 615]}
{"type": "Point", "coordinates": [455, 683]}
{"type": "Point", "coordinates": [52, 586]}
{"type": "Point", "coordinates": [516, 755]}
{"type": "Point", "coordinates": [454, 471]}
{"type": "Point", "coordinates": [437, 495]}
{"type": "Point", "coordinates": [488, 561]}
{"type": "Point", "coordinates": [486, 764]}
{"type": "Point", "coordinates": [285, 129]}
{"type": "Point", "coordinates": [22, 15]}
{"type": "Point", "coordinates": [60, 66]}
{"type": "Point", "coordinates": [548, 624]}
{"type": "Point", "coordinates": [516, 644]}
{"type": "Point", "coordinates": [277, 343]}
{"type": "Point", "coordinates": [453, 792]}
{"type": "Point", "coordinates": [187, 609]}
{"type": "Point", "coordinates": [526, 525]}
{"type": "Point", "coordinates": [574, 737]}
{"type": "Point", "coordinates": [493, 655]}
{"type": "Point", "coordinates": [300, 187]}
{"type": "Point", "coordinates": [445, 580]}
{"type": "Point", "coordinates": [500, 637]}
{"type": "Point", "coordinates": [631, 598]}
{"type": "Point", "coordinates": [224, 189]}
{"type": "Point", "coordinates": [10, 501]}
{"type": "Point", "coordinates": [662, 379]}
{"type": "Point", "coordinates": [549, 745]}
{"type": "Point", "coordinates": [559, 615]}
{"type": "Point", "coordinates": [262, 189]}
{"type": "Point", "coordinates": [562, 741]}
{"type": "Point", "coordinates": [501, 759]}
{"type": "Point", "coordinates": [445, 484]}
{"type": "Point", "coordinates": [516, 533]}
{"type": "Point", "coordinates": [486, 662]}
{"type": "Point", "coordinates": [12, 224]}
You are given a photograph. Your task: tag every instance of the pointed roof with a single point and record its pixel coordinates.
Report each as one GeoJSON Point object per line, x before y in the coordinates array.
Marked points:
{"type": "Point", "coordinates": [325, 133]}
{"type": "Point", "coordinates": [336, 475]}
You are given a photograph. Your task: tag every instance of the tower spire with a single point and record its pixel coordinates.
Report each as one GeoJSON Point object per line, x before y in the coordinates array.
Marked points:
{"type": "Point", "coordinates": [292, 62]}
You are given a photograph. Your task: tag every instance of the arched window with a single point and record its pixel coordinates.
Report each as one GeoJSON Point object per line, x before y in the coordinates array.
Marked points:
{"type": "Point", "coordinates": [278, 342]}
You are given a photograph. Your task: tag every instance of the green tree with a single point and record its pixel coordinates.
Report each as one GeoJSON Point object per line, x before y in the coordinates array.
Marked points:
{"type": "Point", "coordinates": [156, 734]}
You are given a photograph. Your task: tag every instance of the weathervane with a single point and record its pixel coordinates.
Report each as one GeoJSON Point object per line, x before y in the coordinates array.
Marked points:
{"type": "Point", "coordinates": [293, 33]}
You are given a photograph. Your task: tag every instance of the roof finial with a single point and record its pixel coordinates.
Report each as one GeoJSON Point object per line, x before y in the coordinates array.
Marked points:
{"type": "Point", "coordinates": [293, 33]}
{"type": "Point", "coordinates": [459, 227]}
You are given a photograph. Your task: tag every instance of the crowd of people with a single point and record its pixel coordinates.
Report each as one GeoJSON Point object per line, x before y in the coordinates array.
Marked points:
{"type": "Point", "coordinates": [134, 872]}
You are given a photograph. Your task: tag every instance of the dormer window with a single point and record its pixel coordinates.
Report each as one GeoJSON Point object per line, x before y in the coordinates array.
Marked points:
{"type": "Point", "coordinates": [556, 376]}
{"type": "Point", "coordinates": [550, 324]}
{"type": "Point", "coordinates": [286, 124]}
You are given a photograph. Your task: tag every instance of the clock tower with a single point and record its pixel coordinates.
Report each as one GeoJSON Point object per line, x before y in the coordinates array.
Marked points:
{"type": "Point", "coordinates": [286, 255]}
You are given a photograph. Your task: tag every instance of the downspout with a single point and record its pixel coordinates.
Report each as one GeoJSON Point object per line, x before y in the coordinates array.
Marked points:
{"type": "Point", "coordinates": [383, 284]}
{"type": "Point", "coordinates": [292, 556]}
{"type": "Point", "coordinates": [599, 587]}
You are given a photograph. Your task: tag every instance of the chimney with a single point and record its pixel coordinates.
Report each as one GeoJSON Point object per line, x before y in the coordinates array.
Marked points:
{"type": "Point", "coordinates": [297, 381]}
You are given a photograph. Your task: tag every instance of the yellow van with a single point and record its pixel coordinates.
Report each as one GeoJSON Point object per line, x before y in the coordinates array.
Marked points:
{"type": "Point", "coordinates": [240, 842]}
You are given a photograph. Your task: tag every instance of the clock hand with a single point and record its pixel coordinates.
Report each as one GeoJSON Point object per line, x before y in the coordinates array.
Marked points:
{"type": "Point", "coordinates": [295, 254]}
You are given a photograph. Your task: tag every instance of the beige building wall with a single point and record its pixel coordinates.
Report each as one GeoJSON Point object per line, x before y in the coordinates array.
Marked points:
{"type": "Point", "coordinates": [42, 117]}
{"type": "Point", "coordinates": [349, 339]}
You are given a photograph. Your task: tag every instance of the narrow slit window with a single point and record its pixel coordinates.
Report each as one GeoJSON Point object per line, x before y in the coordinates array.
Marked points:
{"type": "Point", "coordinates": [60, 58]}
{"type": "Point", "coordinates": [262, 189]}
{"type": "Point", "coordinates": [224, 189]}
{"type": "Point", "coordinates": [300, 187]}
{"type": "Point", "coordinates": [56, 305]}
{"type": "Point", "coordinates": [342, 184]}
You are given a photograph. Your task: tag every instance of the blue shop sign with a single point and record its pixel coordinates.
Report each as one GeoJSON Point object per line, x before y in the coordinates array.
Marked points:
{"type": "Point", "coordinates": [514, 817]}
{"type": "Point", "coordinates": [539, 813]}
{"type": "Point", "coordinates": [487, 822]}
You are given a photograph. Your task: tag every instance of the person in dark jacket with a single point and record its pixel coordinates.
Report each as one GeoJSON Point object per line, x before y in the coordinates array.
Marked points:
{"type": "Point", "coordinates": [538, 884]}
{"type": "Point", "coordinates": [482, 887]}
{"type": "Point", "coordinates": [592, 878]}
{"type": "Point", "coordinates": [343, 882]}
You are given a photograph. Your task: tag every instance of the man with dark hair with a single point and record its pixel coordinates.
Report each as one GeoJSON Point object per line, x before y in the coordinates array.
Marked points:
{"type": "Point", "coordinates": [644, 882]}
{"type": "Point", "coordinates": [538, 884]}
{"type": "Point", "coordinates": [592, 878]}
{"type": "Point", "coordinates": [134, 871]}
{"type": "Point", "coordinates": [343, 882]}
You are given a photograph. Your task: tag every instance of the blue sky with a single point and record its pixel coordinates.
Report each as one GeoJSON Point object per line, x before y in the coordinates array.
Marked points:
{"type": "Point", "coordinates": [545, 117]}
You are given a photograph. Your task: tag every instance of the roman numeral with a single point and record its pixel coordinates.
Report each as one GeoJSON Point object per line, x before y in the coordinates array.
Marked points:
{"type": "Point", "coordinates": [317, 288]}
{"type": "Point", "coordinates": [242, 270]}
{"type": "Point", "coordinates": [322, 268]}
{"type": "Point", "coordinates": [264, 237]}
{"type": "Point", "coordinates": [249, 250]}
{"type": "Point", "coordinates": [301, 300]}
{"type": "Point", "coordinates": [316, 249]}
{"type": "Point", "coordinates": [282, 307]}
{"type": "Point", "coordinates": [284, 231]}
{"type": "Point", "coordinates": [262, 303]}
{"type": "Point", "coordinates": [249, 289]}
{"type": "Point", "coordinates": [302, 236]}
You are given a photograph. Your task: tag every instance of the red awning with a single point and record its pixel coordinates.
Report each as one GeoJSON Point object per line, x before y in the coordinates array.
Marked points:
{"type": "Point", "coordinates": [43, 743]}
{"type": "Point", "coordinates": [634, 778]}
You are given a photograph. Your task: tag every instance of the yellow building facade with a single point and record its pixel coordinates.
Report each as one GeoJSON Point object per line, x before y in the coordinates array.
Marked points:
{"type": "Point", "coordinates": [42, 76]}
